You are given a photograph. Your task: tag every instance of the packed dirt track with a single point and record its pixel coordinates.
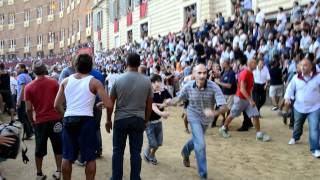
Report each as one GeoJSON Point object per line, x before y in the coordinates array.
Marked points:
{"type": "Point", "coordinates": [240, 157]}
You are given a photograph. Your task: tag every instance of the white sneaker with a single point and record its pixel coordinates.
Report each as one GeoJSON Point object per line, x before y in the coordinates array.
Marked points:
{"type": "Point", "coordinates": [292, 141]}
{"type": "Point", "coordinates": [42, 177]}
{"type": "Point", "coordinates": [56, 175]}
{"type": "Point", "coordinates": [316, 154]}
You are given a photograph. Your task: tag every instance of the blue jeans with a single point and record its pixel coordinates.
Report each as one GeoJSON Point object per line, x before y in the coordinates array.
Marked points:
{"type": "Point", "coordinates": [197, 143]}
{"type": "Point", "coordinates": [132, 127]}
{"type": "Point", "coordinates": [314, 127]}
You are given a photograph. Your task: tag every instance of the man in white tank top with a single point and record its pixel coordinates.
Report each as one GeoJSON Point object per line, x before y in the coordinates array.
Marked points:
{"type": "Point", "coordinates": [79, 92]}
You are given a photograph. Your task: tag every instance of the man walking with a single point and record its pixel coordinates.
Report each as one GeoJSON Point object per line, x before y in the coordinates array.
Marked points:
{"type": "Point", "coordinates": [39, 96]}
{"type": "Point", "coordinates": [23, 79]}
{"type": "Point", "coordinates": [304, 89]}
{"type": "Point", "coordinates": [202, 96]}
{"type": "Point", "coordinates": [79, 92]}
{"type": "Point", "coordinates": [244, 102]}
{"type": "Point", "coordinates": [133, 93]}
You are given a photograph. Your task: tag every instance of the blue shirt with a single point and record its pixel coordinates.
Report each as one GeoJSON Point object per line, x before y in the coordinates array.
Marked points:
{"type": "Point", "coordinates": [98, 75]}
{"type": "Point", "coordinates": [229, 77]}
{"type": "Point", "coordinates": [23, 79]}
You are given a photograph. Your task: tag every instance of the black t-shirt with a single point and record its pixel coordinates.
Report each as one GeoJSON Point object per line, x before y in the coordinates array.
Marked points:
{"type": "Point", "coordinates": [229, 77]}
{"type": "Point", "coordinates": [275, 76]}
{"type": "Point", "coordinates": [159, 97]}
{"type": "Point", "coordinates": [4, 82]}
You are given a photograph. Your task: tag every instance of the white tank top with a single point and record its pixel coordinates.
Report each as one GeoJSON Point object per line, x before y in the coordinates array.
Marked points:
{"type": "Point", "coordinates": [79, 99]}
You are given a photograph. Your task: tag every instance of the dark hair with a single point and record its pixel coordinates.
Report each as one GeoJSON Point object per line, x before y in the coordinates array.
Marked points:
{"type": "Point", "coordinates": [83, 63]}
{"type": "Point", "coordinates": [23, 66]}
{"type": "Point", "coordinates": [158, 68]}
{"type": "Point", "coordinates": [156, 78]}
{"type": "Point", "coordinates": [2, 66]}
{"type": "Point", "coordinates": [39, 68]}
{"type": "Point", "coordinates": [133, 60]}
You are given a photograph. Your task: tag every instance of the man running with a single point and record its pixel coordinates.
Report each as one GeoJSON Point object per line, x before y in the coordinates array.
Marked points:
{"type": "Point", "coordinates": [79, 92]}
{"type": "Point", "coordinates": [40, 95]}
{"type": "Point", "coordinates": [202, 96]}
{"type": "Point", "coordinates": [243, 102]}
{"type": "Point", "coordinates": [133, 93]}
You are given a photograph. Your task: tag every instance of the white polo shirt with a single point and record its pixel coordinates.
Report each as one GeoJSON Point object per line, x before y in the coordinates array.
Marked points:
{"type": "Point", "coordinates": [261, 76]}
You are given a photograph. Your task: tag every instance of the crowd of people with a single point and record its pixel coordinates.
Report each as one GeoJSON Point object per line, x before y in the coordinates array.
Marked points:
{"type": "Point", "coordinates": [224, 68]}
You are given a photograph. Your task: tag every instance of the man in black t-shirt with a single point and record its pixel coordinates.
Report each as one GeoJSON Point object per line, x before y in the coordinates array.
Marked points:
{"type": "Point", "coordinates": [276, 84]}
{"type": "Point", "coordinates": [5, 92]}
{"type": "Point", "coordinates": [154, 129]}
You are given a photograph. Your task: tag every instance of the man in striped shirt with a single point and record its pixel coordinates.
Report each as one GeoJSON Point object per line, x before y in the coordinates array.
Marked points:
{"type": "Point", "coordinates": [202, 95]}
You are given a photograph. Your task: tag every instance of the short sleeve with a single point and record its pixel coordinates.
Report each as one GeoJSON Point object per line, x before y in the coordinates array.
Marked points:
{"type": "Point", "coordinates": [113, 91]}
{"type": "Point", "coordinates": [22, 80]}
{"type": "Point", "coordinates": [183, 95]}
{"type": "Point", "coordinates": [243, 75]}
{"type": "Point", "coordinates": [166, 94]}
{"type": "Point", "coordinates": [27, 94]}
{"type": "Point", "coordinates": [218, 95]}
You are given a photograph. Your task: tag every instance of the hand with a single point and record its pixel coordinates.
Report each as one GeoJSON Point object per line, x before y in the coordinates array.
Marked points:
{"type": "Point", "coordinates": [252, 103]}
{"type": "Point", "coordinates": [287, 102]}
{"type": "Point", "coordinates": [7, 141]}
{"type": "Point", "coordinates": [167, 102]}
{"type": "Point", "coordinates": [18, 104]}
{"type": "Point", "coordinates": [108, 126]}
{"type": "Point", "coordinates": [100, 105]}
{"type": "Point", "coordinates": [209, 112]}
{"type": "Point", "coordinates": [165, 115]}
{"type": "Point", "coordinates": [265, 87]}
{"type": "Point", "coordinates": [217, 80]}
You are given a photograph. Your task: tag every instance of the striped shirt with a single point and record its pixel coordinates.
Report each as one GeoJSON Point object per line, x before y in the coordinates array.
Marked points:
{"type": "Point", "coordinates": [200, 99]}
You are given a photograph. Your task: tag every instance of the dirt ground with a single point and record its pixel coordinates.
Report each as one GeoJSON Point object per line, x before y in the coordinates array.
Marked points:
{"type": "Point", "coordinates": [240, 157]}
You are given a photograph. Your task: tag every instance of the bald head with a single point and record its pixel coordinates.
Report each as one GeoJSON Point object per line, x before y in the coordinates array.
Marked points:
{"type": "Point", "coordinates": [252, 64]}
{"type": "Point", "coordinates": [200, 74]}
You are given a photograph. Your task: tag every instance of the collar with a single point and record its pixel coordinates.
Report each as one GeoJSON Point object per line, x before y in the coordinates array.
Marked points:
{"type": "Point", "coordinates": [195, 85]}
{"type": "Point", "coordinates": [300, 76]}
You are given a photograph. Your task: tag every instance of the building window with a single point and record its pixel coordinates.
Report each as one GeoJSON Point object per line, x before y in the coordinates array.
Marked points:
{"type": "Point", "coordinates": [2, 19]}
{"type": "Point", "coordinates": [51, 36]}
{"type": "Point", "coordinates": [2, 44]}
{"type": "Point", "coordinates": [39, 12]}
{"type": "Point", "coordinates": [99, 20]}
{"type": "Point", "coordinates": [51, 7]}
{"type": "Point", "coordinates": [27, 15]}
{"type": "Point", "coordinates": [61, 34]}
{"type": "Point", "coordinates": [190, 14]}
{"type": "Point", "coordinates": [88, 20]}
{"type": "Point", "coordinates": [39, 39]}
{"type": "Point", "coordinates": [27, 41]}
{"type": "Point", "coordinates": [61, 5]}
{"type": "Point", "coordinates": [12, 18]}
{"type": "Point", "coordinates": [12, 43]}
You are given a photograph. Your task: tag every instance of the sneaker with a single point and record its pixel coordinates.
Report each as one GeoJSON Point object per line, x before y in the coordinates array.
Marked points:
{"type": "Point", "coordinates": [316, 154]}
{"type": "Point", "coordinates": [186, 160]}
{"type": "Point", "coordinates": [80, 163]}
{"type": "Point", "coordinates": [56, 175]}
{"type": "Point", "coordinates": [146, 157]}
{"type": "Point", "coordinates": [274, 108]}
{"type": "Point", "coordinates": [292, 141]}
{"type": "Point", "coordinates": [154, 161]}
{"type": "Point", "coordinates": [41, 177]}
{"type": "Point", "coordinates": [224, 133]}
{"type": "Point", "coordinates": [263, 137]}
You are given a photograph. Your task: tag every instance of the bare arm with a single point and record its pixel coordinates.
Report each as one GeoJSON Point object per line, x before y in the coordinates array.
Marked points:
{"type": "Point", "coordinates": [243, 90]}
{"type": "Point", "coordinates": [148, 110]}
{"type": "Point", "coordinates": [29, 110]}
{"type": "Point", "coordinates": [60, 98]}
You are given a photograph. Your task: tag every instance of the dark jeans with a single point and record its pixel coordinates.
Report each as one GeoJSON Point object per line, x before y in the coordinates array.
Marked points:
{"type": "Point", "coordinates": [97, 113]}
{"type": "Point", "coordinates": [23, 118]}
{"type": "Point", "coordinates": [132, 127]}
{"type": "Point", "coordinates": [247, 123]}
{"type": "Point", "coordinates": [259, 95]}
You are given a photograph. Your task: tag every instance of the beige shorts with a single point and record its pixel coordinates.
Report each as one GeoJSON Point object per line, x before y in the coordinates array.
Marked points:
{"type": "Point", "coordinates": [229, 99]}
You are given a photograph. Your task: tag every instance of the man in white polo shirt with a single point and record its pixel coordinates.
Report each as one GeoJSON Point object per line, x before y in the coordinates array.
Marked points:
{"type": "Point", "coordinates": [304, 88]}
{"type": "Point", "coordinates": [261, 80]}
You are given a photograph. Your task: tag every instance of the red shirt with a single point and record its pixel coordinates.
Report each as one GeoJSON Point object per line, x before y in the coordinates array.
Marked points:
{"type": "Point", "coordinates": [246, 76]}
{"type": "Point", "coordinates": [41, 93]}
